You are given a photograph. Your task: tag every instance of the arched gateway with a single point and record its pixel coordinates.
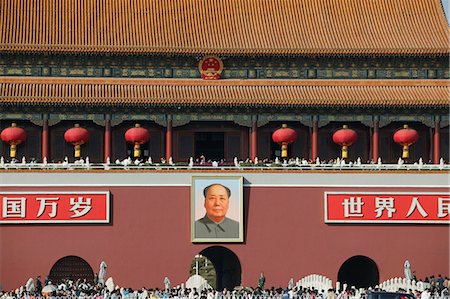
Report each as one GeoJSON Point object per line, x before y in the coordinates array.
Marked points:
{"type": "Point", "coordinates": [227, 266]}
{"type": "Point", "coordinates": [359, 271]}
{"type": "Point", "coordinates": [71, 267]}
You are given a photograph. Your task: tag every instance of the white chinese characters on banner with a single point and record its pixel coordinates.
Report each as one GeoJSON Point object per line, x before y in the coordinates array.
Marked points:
{"type": "Point", "coordinates": [80, 207]}
{"type": "Point", "coordinates": [443, 207]}
{"type": "Point", "coordinates": [415, 204]}
{"type": "Point", "coordinates": [14, 207]}
{"type": "Point", "coordinates": [353, 207]}
{"type": "Point", "coordinates": [384, 203]}
{"type": "Point", "coordinates": [47, 201]}
{"type": "Point", "coordinates": [387, 207]}
{"type": "Point", "coordinates": [18, 207]}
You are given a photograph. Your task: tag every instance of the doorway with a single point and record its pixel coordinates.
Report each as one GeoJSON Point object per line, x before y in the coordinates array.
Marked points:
{"type": "Point", "coordinates": [359, 271]}
{"type": "Point", "coordinates": [71, 267]}
{"type": "Point", "coordinates": [210, 144]}
{"type": "Point", "coordinates": [227, 267]}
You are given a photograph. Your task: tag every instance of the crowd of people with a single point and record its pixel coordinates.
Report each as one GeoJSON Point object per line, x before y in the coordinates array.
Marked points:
{"type": "Point", "coordinates": [83, 289]}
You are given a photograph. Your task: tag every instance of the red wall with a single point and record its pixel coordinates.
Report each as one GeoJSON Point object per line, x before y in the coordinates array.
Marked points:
{"type": "Point", "coordinates": [285, 236]}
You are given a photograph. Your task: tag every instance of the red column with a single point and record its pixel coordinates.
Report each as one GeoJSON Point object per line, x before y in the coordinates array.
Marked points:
{"type": "Point", "coordinates": [45, 140]}
{"type": "Point", "coordinates": [254, 140]}
{"type": "Point", "coordinates": [169, 138]}
{"type": "Point", "coordinates": [375, 139]}
{"type": "Point", "coordinates": [437, 145]}
{"type": "Point", "coordinates": [314, 136]}
{"type": "Point", "coordinates": [107, 141]}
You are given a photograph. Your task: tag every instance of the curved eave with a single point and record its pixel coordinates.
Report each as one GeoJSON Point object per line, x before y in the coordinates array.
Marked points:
{"type": "Point", "coordinates": [119, 92]}
{"type": "Point", "coordinates": [124, 50]}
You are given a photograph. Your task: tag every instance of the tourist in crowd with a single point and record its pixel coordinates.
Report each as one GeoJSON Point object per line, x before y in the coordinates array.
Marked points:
{"type": "Point", "coordinates": [83, 289]}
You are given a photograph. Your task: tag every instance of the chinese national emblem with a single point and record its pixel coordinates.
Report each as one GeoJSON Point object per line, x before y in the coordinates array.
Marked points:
{"type": "Point", "coordinates": [210, 68]}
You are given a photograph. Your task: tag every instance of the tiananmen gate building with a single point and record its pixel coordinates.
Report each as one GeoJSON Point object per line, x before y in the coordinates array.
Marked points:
{"type": "Point", "coordinates": [259, 96]}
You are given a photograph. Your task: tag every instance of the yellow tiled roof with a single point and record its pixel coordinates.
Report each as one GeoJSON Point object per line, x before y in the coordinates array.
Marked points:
{"type": "Point", "coordinates": [225, 93]}
{"type": "Point", "coordinates": [234, 27]}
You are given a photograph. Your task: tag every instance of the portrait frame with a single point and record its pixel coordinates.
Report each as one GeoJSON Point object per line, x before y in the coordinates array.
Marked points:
{"type": "Point", "coordinates": [235, 210]}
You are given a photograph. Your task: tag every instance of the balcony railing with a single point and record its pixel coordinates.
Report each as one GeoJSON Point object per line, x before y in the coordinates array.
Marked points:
{"type": "Point", "coordinates": [224, 166]}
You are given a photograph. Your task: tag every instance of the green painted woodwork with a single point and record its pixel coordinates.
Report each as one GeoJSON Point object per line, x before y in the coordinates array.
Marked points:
{"type": "Point", "coordinates": [245, 120]}
{"type": "Point", "coordinates": [234, 67]}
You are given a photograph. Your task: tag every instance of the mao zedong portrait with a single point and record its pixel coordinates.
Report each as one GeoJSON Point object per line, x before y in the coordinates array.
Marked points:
{"type": "Point", "coordinates": [215, 224]}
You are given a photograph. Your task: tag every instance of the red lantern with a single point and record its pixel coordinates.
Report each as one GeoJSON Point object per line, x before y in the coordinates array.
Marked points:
{"type": "Point", "coordinates": [345, 137]}
{"type": "Point", "coordinates": [13, 136]}
{"type": "Point", "coordinates": [406, 137]}
{"type": "Point", "coordinates": [284, 136]}
{"type": "Point", "coordinates": [137, 136]}
{"type": "Point", "coordinates": [77, 136]}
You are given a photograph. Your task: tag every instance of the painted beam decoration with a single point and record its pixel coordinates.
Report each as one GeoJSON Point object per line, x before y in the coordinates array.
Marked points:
{"type": "Point", "coordinates": [387, 207]}
{"type": "Point", "coordinates": [54, 207]}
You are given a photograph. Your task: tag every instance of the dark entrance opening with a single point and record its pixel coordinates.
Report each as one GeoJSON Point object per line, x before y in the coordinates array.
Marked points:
{"type": "Point", "coordinates": [210, 144]}
{"type": "Point", "coordinates": [359, 271]}
{"type": "Point", "coordinates": [227, 266]}
{"type": "Point", "coordinates": [71, 267]}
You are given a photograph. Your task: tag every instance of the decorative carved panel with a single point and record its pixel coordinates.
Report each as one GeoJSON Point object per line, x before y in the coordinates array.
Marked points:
{"type": "Point", "coordinates": [180, 120]}
{"type": "Point", "coordinates": [427, 120]}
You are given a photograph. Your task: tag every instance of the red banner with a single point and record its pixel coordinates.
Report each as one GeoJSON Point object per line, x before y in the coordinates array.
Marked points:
{"type": "Point", "coordinates": [392, 207]}
{"type": "Point", "coordinates": [54, 207]}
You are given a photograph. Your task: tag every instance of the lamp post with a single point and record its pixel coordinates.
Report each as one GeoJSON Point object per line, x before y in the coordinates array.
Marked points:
{"type": "Point", "coordinates": [197, 256]}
